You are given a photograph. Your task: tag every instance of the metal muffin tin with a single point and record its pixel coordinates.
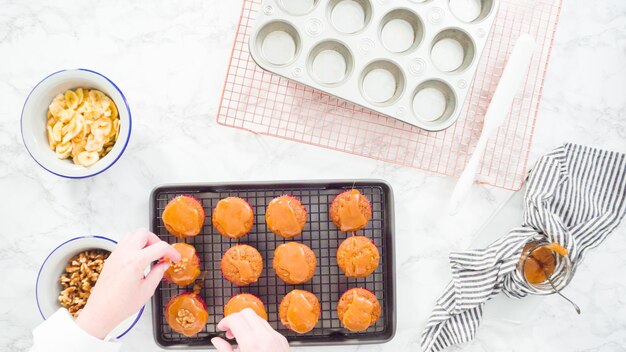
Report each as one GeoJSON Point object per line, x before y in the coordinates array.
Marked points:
{"type": "Point", "coordinates": [320, 234]}
{"type": "Point", "coordinates": [361, 51]}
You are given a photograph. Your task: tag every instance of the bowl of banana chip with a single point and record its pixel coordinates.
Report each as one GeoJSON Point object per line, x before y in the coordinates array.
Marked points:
{"type": "Point", "coordinates": [76, 123]}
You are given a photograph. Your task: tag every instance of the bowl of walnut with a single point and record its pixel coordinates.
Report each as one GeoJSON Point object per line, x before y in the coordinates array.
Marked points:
{"type": "Point", "coordinates": [68, 274]}
{"type": "Point", "coordinates": [76, 123]}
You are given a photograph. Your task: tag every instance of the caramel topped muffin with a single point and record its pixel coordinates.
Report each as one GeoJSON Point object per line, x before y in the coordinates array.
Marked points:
{"type": "Point", "coordinates": [285, 216]}
{"type": "Point", "coordinates": [299, 311]}
{"type": "Point", "coordinates": [183, 216]}
{"type": "Point", "coordinates": [186, 313]}
{"type": "Point", "coordinates": [358, 309]}
{"type": "Point", "coordinates": [242, 301]}
{"type": "Point", "coordinates": [357, 256]}
{"type": "Point", "coordinates": [233, 217]}
{"type": "Point", "coordinates": [185, 271]}
{"type": "Point", "coordinates": [242, 265]}
{"type": "Point", "coordinates": [294, 262]}
{"type": "Point", "coordinates": [350, 211]}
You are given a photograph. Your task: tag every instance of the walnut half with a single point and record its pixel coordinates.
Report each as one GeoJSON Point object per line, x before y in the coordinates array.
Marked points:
{"type": "Point", "coordinates": [80, 276]}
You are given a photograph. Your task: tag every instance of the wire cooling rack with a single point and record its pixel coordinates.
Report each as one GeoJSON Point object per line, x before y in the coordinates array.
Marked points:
{"type": "Point", "coordinates": [320, 234]}
{"type": "Point", "coordinates": [265, 103]}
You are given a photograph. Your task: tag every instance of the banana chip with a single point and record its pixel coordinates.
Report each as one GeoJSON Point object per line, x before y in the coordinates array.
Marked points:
{"type": "Point", "coordinates": [83, 124]}
{"type": "Point", "coordinates": [94, 143]}
{"type": "Point", "coordinates": [80, 93]}
{"type": "Point", "coordinates": [88, 158]}
{"type": "Point", "coordinates": [57, 131]}
{"type": "Point", "coordinates": [56, 107]}
{"type": "Point", "coordinates": [51, 140]}
{"type": "Point", "coordinates": [101, 128]}
{"type": "Point", "coordinates": [72, 129]}
{"type": "Point", "coordinates": [66, 116]}
{"type": "Point", "coordinates": [78, 148]}
{"type": "Point", "coordinates": [64, 150]}
{"type": "Point", "coordinates": [71, 100]}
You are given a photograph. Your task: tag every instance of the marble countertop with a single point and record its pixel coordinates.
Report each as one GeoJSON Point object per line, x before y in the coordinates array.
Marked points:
{"type": "Point", "coordinates": [170, 58]}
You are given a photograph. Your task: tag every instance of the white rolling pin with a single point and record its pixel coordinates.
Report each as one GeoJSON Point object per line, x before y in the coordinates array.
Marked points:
{"type": "Point", "coordinates": [499, 108]}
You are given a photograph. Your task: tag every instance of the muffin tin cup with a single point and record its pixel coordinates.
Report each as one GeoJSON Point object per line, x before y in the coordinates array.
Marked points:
{"type": "Point", "coordinates": [320, 234]}
{"type": "Point", "coordinates": [434, 104]}
{"type": "Point", "coordinates": [452, 50]}
{"type": "Point", "coordinates": [469, 11]}
{"type": "Point", "coordinates": [402, 42]}
{"type": "Point", "coordinates": [401, 31]}
{"type": "Point", "coordinates": [330, 63]}
{"type": "Point", "coordinates": [297, 7]}
{"type": "Point", "coordinates": [382, 83]}
{"type": "Point", "coordinates": [349, 16]}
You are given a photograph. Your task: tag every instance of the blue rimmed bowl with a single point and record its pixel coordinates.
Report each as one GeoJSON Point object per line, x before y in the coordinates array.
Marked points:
{"type": "Point", "coordinates": [34, 117]}
{"type": "Point", "coordinates": [48, 287]}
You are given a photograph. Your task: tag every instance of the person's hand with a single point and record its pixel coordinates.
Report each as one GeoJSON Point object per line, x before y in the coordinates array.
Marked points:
{"type": "Point", "coordinates": [253, 334]}
{"type": "Point", "coordinates": [122, 289]}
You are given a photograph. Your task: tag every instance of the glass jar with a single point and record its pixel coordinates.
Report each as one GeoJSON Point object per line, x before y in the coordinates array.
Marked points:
{"type": "Point", "coordinates": [536, 261]}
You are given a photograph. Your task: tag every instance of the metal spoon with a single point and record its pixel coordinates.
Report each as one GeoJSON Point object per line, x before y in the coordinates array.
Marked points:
{"type": "Point", "coordinates": [555, 289]}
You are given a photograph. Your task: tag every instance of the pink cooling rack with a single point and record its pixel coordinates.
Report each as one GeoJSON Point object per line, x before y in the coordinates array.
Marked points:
{"type": "Point", "coordinates": [265, 103]}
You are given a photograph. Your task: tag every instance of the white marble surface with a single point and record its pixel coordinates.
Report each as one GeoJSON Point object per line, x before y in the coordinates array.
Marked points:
{"type": "Point", "coordinates": [170, 57]}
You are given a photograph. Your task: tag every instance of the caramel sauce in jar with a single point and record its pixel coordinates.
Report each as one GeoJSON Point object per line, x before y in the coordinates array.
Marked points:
{"type": "Point", "coordinates": [540, 261]}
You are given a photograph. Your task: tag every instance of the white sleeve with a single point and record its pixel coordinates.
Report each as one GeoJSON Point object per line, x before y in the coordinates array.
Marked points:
{"type": "Point", "coordinates": [59, 333]}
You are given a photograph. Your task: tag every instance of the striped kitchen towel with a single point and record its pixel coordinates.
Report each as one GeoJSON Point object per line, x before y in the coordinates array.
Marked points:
{"type": "Point", "coordinates": [575, 196]}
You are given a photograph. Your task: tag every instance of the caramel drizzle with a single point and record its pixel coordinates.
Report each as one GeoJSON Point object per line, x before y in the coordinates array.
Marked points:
{"type": "Point", "coordinates": [294, 262]}
{"type": "Point", "coordinates": [300, 314]}
{"type": "Point", "coordinates": [358, 316]}
{"type": "Point", "coordinates": [243, 267]}
{"type": "Point", "coordinates": [283, 217]}
{"type": "Point", "coordinates": [350, 215]}
{"type": "Point", "coordinates": [234, 216]}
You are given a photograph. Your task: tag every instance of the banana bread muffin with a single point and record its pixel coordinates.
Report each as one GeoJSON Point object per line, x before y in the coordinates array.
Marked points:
{"type": "Point", "coordinates": [185, 271]}
{"type": "Point", "coordinates": [285, 216]}
{"type": "Point", "coordinates": [299, 311]}
{"type": "Point", "coordinates": [358, 309]}
{"type": "Point", "coordinates": [242, 301]}
{"type": "Point", "coordinates": [350, 211]}
{"type": "Point", "coordinates": [242, 265]}
{"type": "Point", "coordinates": [233, 217]}
{"type": "Point", "coordinates": [183, 216]}
{"type": "Point", "coordinates": [357, 256]}
{"type": "Point", "coordinates": [294, 262]}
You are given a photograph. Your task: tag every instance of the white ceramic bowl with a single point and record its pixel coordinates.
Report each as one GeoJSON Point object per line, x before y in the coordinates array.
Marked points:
{"type": "Point", "coordinates": [48, 287]}
{"type": "Point", "coordinates": [34, 116]}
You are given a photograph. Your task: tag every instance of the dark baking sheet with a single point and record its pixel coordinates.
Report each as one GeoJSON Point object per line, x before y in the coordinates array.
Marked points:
{"type": "Point", "coordinates": [320, 234]}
